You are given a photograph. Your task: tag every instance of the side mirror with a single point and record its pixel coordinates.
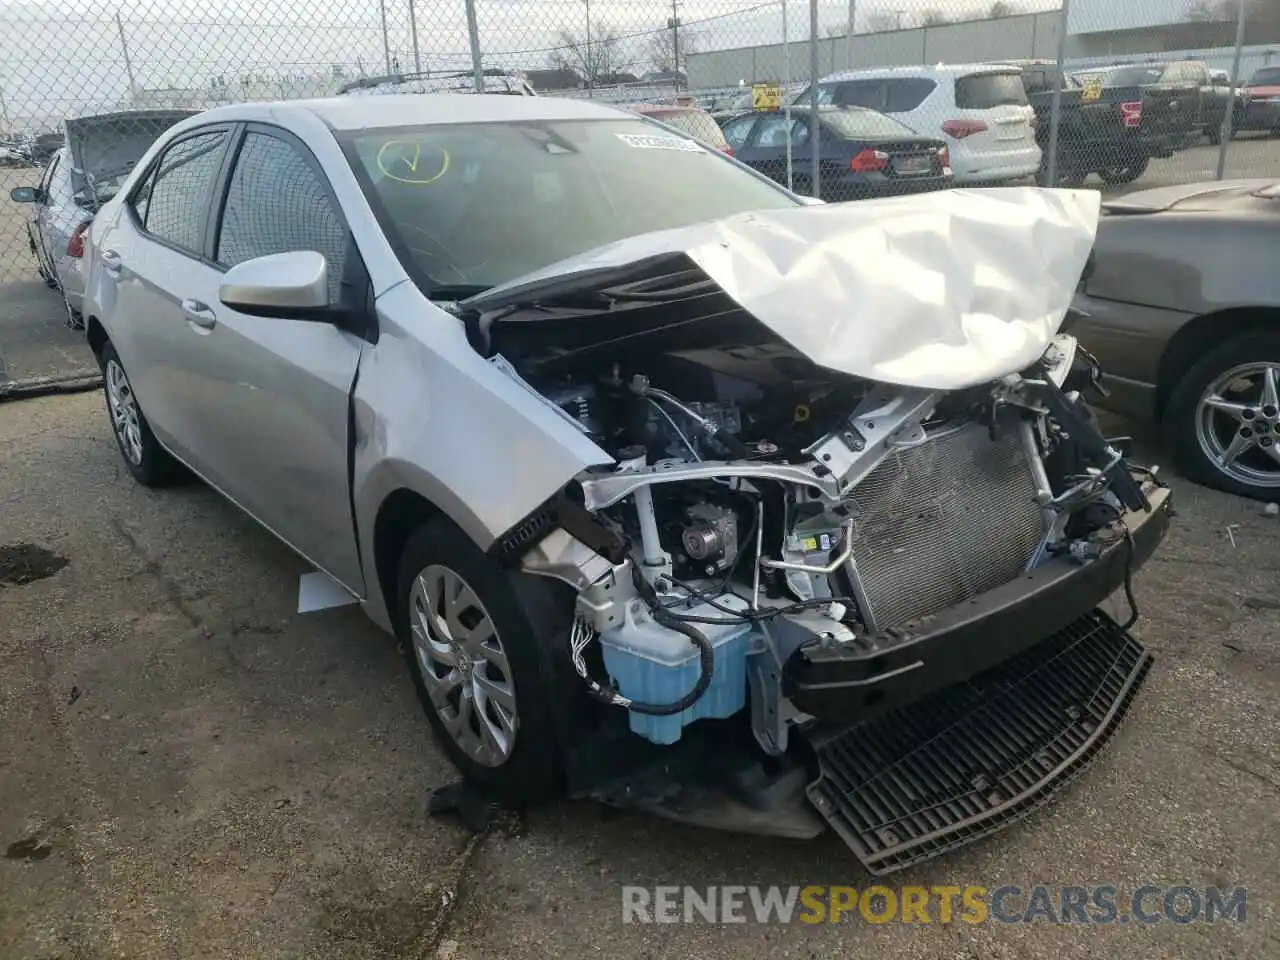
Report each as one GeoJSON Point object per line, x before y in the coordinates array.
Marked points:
{"type": "Point", "coordinates": [25, 194]}
{"type": "Point", "coordinates": [292, 286]}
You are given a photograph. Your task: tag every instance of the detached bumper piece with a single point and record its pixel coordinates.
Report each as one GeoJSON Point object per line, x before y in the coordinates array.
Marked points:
{"type": "Point", "coordinates": [971, 759]}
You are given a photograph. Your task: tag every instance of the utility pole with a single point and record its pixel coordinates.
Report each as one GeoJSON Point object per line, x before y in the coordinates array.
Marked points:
{"type": "Point", "coordinates": [413, 34]}
{"type": "Point", "coordinates": [4, 112]}
{"type": "Point", "coordinates": [674, 25]}
{"type": "Point", "coordinates": [128, 64]}
{"type": "Point", "coordinates": [473, 37]}
{"type": "Point", "coordinates": [386, 39]}
{"type": "Point", "coordinates": [1055, 109]}
{"type": "Point", "coordinates": [1225, 134]}
{"type": "Point", "coordinates": [853, 13]}
{"type": "Point", "coordinates": [587, 67]}
{"type": "Point", "coordinates": [815, 188]}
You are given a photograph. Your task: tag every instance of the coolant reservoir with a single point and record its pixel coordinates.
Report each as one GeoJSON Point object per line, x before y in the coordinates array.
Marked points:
{"type": "Point", "coordinates": [654, 664]}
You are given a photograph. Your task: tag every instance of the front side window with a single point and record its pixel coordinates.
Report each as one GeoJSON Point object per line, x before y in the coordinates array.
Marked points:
{"type": "Point", "coordinates": [177, 194]}
{"type": "Point", "coordinates": [478, 204]}
{"type": "Point", "coordinates": [277, 203]}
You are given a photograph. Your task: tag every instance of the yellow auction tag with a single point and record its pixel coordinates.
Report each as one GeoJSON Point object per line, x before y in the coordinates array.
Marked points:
{"type": "Point", "coordinates": [766, 96]}
{"type": "Point", "coordinates": [1092, 89]}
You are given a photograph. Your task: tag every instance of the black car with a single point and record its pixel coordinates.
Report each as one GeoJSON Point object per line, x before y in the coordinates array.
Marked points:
{"type": "Point", "coordinates": [863, 153]}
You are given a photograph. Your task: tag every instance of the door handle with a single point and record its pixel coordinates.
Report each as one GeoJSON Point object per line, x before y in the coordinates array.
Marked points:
{"type": "Point", "coordinates": [111, 260]}
{"type": "Point", "coordinates": [199, 314]}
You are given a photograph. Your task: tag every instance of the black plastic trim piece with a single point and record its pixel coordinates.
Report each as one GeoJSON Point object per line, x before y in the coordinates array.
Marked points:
{"type": "Point", "coordinates": [563, 513]}
{"type": "Point", "coordinates": [857, 681]}
{"type": "Point", "coordinates": [976, 757]}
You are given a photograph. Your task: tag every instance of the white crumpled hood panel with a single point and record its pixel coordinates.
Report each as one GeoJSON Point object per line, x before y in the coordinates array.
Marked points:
{"type": "Point", "coordinates": [939, 290]}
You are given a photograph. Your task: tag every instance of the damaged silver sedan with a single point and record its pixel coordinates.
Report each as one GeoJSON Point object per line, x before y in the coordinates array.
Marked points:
{"type": "Point", "coordinates": [680, 493]}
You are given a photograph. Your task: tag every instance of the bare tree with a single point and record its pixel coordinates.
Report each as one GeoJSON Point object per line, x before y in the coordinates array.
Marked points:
{"type": "Point", "coordinates": [600, 58]}
{"type": "Point", "coordinates": [882, 22]}
{"type": "Point", "coordinates": [662, 49]}
{"type": "Point", "coordinates": [934, 18]}
{"type": "Point", "coordinates": [1000, 9]}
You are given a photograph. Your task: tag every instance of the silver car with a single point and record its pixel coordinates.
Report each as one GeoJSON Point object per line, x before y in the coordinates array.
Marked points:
{"type": "Point", "coordinates": [658, 472]}
{"type": "Point", "coordinates": [100, 151]}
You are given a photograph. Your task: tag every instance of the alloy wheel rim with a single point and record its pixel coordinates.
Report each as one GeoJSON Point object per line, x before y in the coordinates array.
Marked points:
{"type": "Point", "coordinates": [124, 412]}
{"type": "Point", "coordinates": [1238, 424]}
{"type": "Point", "coordinates": [464, 666]}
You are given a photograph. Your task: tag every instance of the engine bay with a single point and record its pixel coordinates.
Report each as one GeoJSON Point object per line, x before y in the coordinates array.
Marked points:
{"type": "Point", "coordinates": [761, 506]}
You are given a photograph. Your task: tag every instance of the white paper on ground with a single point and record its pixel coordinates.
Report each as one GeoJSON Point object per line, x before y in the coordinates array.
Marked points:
{"type": "Point", "coordinates": [942, 290]}
{"type": "Point", "coordinates": [317, 591]}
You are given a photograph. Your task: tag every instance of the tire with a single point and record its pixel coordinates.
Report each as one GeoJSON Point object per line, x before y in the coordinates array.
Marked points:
{"type": "Point", "coordinates": [509, 717]}
{"type": "Point", "coordinates": [150, 463]}
{"type": "Point", "coordinates": [801, 185]}
{"type": "Point", "coordinates": [1190, 427]}
{"type": "Point", "coordinates": [1125, 174]}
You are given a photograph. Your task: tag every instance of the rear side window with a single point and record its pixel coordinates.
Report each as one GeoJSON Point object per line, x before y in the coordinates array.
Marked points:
{"type": "Point", "coordinates": [982, 91]}
{"type": "Point", "coordinates": [173, 202]}
{"type": "Point", "coordinates": [1266, 77]}
{"type": "Point", "coordinates": [858, 93]}
{"type": "Point", "coordinates": [904, 95]}
{"type": "Point", "coordinates": [277, 203]}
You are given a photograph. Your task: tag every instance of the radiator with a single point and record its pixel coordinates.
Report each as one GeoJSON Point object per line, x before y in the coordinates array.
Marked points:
{"type": "Point", "coordinates": [942, 522]}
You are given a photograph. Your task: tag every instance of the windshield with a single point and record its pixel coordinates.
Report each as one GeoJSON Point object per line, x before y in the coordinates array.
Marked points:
{"type": "Point", "coordinates": [853, 123]}
{"type": "Point", "coordinates": [474, 205]}
{"type": "Point", "coordinates": [1266, 77]}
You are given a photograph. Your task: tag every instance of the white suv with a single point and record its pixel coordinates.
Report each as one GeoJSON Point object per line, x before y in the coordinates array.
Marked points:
{"type": "Point", "coordinates": [980, 109]}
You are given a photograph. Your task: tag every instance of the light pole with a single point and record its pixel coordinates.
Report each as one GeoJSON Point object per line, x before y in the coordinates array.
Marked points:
{"type": "Point", "coordinates": [586, 56]}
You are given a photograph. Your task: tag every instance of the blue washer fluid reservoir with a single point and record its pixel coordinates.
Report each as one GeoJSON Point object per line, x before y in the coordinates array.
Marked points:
{"type": "Point", "coordinates": [654, 664]}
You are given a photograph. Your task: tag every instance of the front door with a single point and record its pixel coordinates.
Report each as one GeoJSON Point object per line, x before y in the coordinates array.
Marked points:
{"type": "Point", "coordinates": [268, 398]}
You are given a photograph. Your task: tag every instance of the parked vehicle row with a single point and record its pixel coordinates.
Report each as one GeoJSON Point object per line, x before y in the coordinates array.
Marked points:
{"type": "Point", "coordinates": [98, 152]}
{"type": "Point", "coordinates": [979, 111]}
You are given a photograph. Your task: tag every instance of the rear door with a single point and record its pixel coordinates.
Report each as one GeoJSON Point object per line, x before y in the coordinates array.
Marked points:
{"type": "Point", "coordinates": [142, 262]}
{"type": "Point", "coordinates": [997, 100]}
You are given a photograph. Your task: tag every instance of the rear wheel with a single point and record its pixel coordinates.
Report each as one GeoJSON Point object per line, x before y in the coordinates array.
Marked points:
{"type": "Point", "coordinates": [150, 464]}
{"type": "Point", "coordinates": [478, 641]}
{"type": "Point", "coordinates": [1222, 423]}
{"type": "Point", "coordinates": [1124, 173]}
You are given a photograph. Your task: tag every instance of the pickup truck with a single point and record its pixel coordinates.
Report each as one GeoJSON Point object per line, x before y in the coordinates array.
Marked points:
{"type": "Point", "coordinates": [1262, 100]}
{"type": "Point", "coordinates": [1109, 128]}
{"type": "Point", "coordinates": [1198, 95]}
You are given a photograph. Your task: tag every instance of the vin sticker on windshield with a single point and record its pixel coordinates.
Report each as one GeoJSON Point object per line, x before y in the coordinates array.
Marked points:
{"type": "Point", "coordinates": [651, 141]}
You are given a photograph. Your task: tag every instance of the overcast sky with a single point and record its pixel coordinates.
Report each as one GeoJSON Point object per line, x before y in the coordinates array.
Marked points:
{"type": "Point", "coordinates": [67, 57]}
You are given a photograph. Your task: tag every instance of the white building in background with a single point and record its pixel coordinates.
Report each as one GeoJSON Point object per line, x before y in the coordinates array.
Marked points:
{"type": "Point", "coordinates": [1097, 30]}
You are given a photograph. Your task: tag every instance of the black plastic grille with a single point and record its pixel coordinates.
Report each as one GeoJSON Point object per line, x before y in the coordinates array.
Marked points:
{"type": "Point", "coordinates": [971, 759]}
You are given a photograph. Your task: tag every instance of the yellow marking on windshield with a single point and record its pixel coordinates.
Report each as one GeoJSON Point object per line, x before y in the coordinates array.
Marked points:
{"type": "Point", "coordinates": [399, 160]}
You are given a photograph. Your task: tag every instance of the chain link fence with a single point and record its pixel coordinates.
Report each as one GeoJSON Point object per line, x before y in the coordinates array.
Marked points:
{"type": "Point", "coordinates": [1117, 96]}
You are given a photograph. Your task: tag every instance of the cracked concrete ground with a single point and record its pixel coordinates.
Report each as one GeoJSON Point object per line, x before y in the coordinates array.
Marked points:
{"type": "Point", "coordinates": [190, 769]}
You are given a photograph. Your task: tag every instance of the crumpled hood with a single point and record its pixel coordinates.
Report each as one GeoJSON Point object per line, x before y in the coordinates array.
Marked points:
{"type": "Point", "coordinates": [940, 290]}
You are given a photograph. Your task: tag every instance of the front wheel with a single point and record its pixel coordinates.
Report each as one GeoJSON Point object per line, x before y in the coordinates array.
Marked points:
{"type": "Point", "coordinates": [1222, 423]}
{"type": "Point", "coordinates": [1125, 173]}
{"type": "Point", "coordinates": [479, 642]}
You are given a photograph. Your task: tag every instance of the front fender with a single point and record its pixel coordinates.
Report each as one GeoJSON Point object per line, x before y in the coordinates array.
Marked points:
{"type": "Point", "coordinates": [433, 417]}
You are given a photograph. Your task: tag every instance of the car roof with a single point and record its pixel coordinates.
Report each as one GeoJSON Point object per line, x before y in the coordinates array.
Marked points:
{"type": "Point", "coordinates": [410, 109]}
{"type": "Point", "coordinates": [920, 71]}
